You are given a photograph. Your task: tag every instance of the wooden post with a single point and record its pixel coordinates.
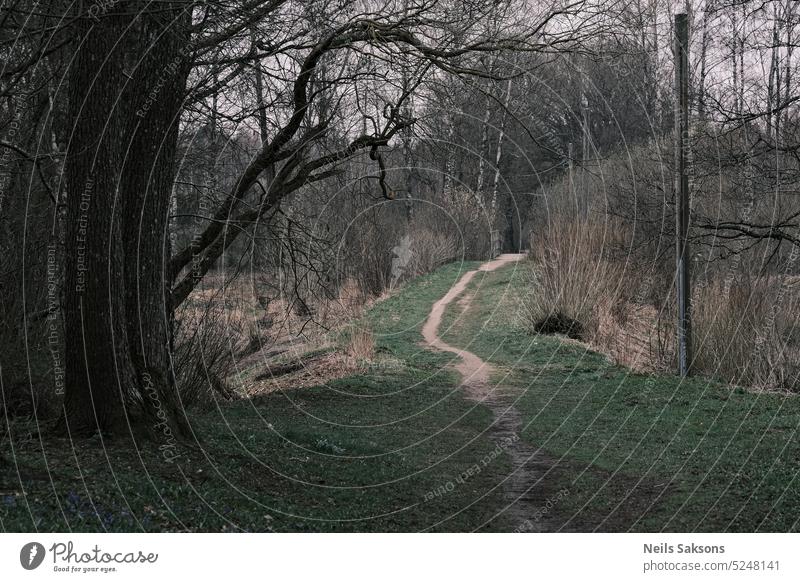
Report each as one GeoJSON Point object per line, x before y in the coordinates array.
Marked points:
{"type": "Point", "coordinates": [683, 256]}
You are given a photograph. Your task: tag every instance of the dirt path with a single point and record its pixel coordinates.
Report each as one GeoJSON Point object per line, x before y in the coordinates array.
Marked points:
{"type": "Point", "coordinates": [526, 496]}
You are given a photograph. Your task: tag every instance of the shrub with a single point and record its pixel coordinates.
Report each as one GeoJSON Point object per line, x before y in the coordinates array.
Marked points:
{"type": "Point", "coordinates": [204, 351]}
{"type": "Point", "coordinates": [430, 250]}
{"type": "Point", "coordinates": [572, 281]}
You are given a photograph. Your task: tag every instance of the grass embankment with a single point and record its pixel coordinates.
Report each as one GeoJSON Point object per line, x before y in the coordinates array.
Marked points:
{"type": "Point", "coordinates": [373, 452]}
{"type": "Point", "coordinates": [636, 452]}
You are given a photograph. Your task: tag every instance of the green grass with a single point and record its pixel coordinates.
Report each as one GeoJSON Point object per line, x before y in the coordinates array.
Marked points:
{"type": "Point", "coordinates": [365, 453]}
{"type": "Point", "coordinates": [386, 450]}
{"type": "Point", "coordinates": [637, 452]}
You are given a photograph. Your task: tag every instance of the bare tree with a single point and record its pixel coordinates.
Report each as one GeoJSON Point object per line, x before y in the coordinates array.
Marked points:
{"type": "Point", "coordinates": [140, 68]}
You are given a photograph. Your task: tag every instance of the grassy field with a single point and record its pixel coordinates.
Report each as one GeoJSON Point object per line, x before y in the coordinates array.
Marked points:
{"type": "Point", "coordinates": [637, 452]}
{"type": "Point", "coordinates": [384, 451]}
{"type": "Point", "coordinates": [392, 449]}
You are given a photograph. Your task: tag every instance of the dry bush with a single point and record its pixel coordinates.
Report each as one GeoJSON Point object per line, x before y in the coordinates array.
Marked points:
{"type": "Point", "coordinates": [379, 245]}
{"type": "Point", "coordinates": [745, 333]}
{"type": "Point", "coordinates": [574, 285]}
{"type": "Point", "coordinates": [430, 250]}
{"type": "Point", "coordinates": [368, 250]}
{"type": "Point", "coordinates": [330, 314]}
{"type": "Point", "coordinates": [387, 249]}
{"type": "Point", "coordinates": [467, 219]}
{"type": "Point", "coordinates": [206, 341]}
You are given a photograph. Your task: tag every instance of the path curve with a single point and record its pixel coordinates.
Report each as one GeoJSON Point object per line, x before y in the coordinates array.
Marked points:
{"type": "Point", "coordinates": [525, 495]}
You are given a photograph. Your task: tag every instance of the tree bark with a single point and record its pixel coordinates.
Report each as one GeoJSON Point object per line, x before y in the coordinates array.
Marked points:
{"type": "Point", "coordinates": [126, 90]}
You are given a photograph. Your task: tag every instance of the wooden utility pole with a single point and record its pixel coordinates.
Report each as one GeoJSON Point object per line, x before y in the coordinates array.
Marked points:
{"type": "Point", "coordinates": [572, 178]}
{"type": "Point", "coordinates": [682, 193]}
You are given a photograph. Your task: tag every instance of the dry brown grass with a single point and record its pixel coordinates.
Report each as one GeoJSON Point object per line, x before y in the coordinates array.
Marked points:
{"type": "Point", "coordinates": [361, 343]}
{"type": "Point", "coordinates": [629, 341]}
{"type": "Point", "coordinates": [314, 372]}
{"type": "Point", "coordinates": [745, 332]}
{"type": "Point", "coordinates": [230, 338]}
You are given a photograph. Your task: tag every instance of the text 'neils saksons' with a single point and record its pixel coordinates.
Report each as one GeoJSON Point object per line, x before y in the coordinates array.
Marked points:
{"type": "Point", "coordinates": [665, 548]}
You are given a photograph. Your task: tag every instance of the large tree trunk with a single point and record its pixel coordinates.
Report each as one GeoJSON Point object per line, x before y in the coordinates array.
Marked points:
{"type": "Point", "coordinates": [126, 88]}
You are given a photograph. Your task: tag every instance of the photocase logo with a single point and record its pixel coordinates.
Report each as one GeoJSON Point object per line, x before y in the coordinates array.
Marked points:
{"type": "Point", "coordinates": [31, 555]}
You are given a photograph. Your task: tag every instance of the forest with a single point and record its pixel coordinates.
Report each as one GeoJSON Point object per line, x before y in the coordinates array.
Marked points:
{"type": "Point", "coordinates": [396, 265]}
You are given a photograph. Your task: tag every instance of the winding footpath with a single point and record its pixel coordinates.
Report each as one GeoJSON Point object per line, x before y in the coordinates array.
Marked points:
{"type": "Point", "coordinates": [525, 494]}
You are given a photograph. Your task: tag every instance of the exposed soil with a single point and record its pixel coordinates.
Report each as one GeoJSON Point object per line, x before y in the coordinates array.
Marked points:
{"type": "Point", "coordinates": [527, 495]}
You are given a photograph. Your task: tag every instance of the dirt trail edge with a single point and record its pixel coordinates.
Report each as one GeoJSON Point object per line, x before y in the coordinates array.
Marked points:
{"type": "Point", "coordinates": [527, 498]}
